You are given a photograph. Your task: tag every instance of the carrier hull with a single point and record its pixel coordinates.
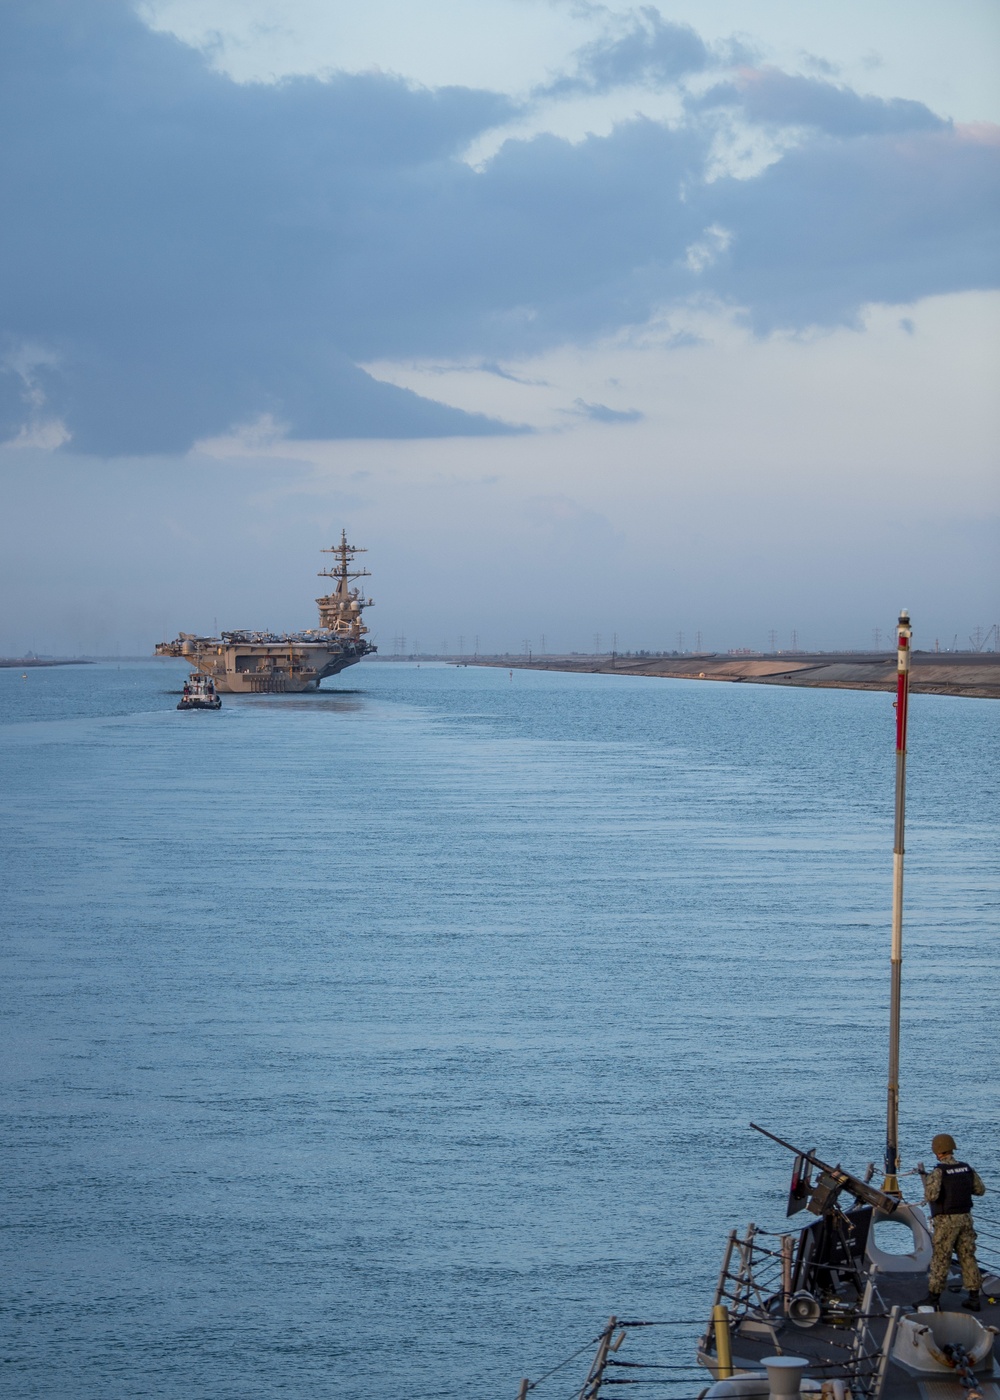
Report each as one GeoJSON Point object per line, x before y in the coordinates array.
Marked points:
{"type": "Point", "coordinates": [285, 667]}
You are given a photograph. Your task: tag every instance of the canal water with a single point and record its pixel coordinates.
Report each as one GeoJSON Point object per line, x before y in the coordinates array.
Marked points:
{"type": "Point", "coordinates": [380, 1043]}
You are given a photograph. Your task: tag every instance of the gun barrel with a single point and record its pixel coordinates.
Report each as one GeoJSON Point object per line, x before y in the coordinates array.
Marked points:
{"type": "Point", "coordinates": [807, 1156]}
{"type": "Point", "coordinates": [869, 1194]}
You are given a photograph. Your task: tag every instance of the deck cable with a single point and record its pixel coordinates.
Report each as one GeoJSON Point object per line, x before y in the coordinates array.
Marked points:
{"type": "Point", "coordinates": [655, 1365]}
{"type": "Point", "coordinates": [667, 1322]}
{"type": "Point", "coordinates": [579, 1352]}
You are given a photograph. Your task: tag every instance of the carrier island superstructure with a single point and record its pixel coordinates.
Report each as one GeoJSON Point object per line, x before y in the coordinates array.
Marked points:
{"type": "Point", "coordinates": [257, 663]}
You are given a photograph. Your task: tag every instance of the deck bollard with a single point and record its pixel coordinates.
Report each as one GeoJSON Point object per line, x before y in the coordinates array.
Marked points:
{"type": "Point", "coordinates": [784, 1375]}
{"type": "Point", "coordinates": [723, 1346]}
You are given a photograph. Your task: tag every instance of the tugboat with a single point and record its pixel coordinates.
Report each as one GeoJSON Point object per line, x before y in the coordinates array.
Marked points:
{"type": "Point", "coordinates": [828, 1310]}
{"type": "Point", "coordinates": [199, 693]}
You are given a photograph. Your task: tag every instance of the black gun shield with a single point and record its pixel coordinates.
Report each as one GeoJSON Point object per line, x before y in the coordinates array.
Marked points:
{"type": "Point", "coordinates": [801, 1187]}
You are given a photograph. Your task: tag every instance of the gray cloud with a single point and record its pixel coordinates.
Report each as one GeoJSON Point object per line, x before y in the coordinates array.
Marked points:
{"type": "Point", "coordinates": [180, 253]}
{"type": "Point", "coordinates": [819, 64]}
{"type": "Point", "coordinates": [600, 413]}
{"type": "Point", "coordinates": [835, 225]}
{"type": "Point", "coordinates": [172, 239]}
{"type": "Point", "coordinates": [770, 97]}
{"type": "Point", "coordinates": [646, 49]}
{"type": "Point", "coordinates": [554, 240]}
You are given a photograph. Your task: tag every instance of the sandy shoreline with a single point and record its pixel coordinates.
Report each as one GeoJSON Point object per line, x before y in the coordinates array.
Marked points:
{"type": "Point", "coordinates": [934, 673]}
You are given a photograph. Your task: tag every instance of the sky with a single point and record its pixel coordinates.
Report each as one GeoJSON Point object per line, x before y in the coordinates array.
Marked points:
{"type": "Point", "coordinates": [668, 325]}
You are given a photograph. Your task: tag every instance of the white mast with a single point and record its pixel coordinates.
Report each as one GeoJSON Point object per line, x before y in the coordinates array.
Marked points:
{"type": "Point", "coordinates": [903, 635]}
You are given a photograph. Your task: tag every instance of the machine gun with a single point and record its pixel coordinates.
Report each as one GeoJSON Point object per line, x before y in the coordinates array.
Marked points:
{"type": "Point", "coordinates": [820, 1198]}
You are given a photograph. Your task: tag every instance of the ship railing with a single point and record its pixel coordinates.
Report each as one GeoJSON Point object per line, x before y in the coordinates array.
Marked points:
{"type": "Point", "coordinates": [862, 1369]}
{"type": "Point", "coordinates": [757, 1277]}
{"type": "Point", "coordinates": [750, 1278]}
{"type": "Point", "coordinates": [609, 1369]}
{"type": "Point", "coordinates": [987, 1239]}
{"type": "Point", "coordinates": [753, 1288]}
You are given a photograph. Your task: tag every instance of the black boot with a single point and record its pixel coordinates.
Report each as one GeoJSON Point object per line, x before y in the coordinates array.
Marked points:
{"type": "Point", "coordinates": [972, 1302]}
{"type": "Point", "coordinates": [933, 1300]}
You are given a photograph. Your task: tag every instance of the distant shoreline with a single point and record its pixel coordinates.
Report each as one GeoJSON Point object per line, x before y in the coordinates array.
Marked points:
{"type": "Point", "coordinates": [12, 662]}
{"type": "Point", "coordinates": [974, 674]}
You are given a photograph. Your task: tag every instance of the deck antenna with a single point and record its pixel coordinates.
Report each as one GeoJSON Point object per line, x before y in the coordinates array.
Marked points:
{"type": "Point", "coordinates": [903, 634]}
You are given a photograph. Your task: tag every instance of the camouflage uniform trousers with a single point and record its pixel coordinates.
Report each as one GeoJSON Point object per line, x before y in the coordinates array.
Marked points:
{"type": "Point", "coordinates": [953, 1234]}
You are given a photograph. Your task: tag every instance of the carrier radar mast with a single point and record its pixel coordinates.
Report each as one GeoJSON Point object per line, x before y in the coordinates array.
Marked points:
{"type": "Point", "coordinates": [340, 611]}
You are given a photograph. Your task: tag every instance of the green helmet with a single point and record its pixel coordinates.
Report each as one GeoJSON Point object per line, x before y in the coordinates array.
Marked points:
{"type": "Point", "coordinates": [942, 1144]}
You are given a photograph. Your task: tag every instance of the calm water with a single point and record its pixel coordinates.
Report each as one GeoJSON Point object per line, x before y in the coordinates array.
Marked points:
{"type": "Point", "coordinates": [379, 1043]}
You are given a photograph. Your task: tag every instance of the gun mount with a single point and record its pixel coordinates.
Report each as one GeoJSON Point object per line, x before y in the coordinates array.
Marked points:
{"type": "Point", "coordinates": [822, 1196]}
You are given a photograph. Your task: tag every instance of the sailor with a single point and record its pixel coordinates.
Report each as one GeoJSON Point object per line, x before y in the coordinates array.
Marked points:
{"type": "Point", "coordinates": [949, 1189]}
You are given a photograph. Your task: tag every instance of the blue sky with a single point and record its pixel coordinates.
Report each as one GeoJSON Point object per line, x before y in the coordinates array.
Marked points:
{"type": "Point", "coordinates": [585, 318]}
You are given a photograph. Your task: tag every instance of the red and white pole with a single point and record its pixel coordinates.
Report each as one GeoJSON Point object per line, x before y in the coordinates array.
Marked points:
{"type": "Point", "coordinates": [903, 635]}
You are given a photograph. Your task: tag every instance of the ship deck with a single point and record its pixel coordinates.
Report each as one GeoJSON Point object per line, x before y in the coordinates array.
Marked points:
{"type": "Point", "coordinates": [830, 1348]}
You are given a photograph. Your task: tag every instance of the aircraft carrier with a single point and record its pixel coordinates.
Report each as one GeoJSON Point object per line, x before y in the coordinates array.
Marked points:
{"type": "Point", "coordinates": [267, 663]}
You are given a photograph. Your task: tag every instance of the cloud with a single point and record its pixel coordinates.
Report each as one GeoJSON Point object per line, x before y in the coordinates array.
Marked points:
{"type": "Point", "coordinates": [645, 50]}
{"type": "Point", "coordinates": [23, 399]}
{"type": "Point", "coordinates": [600, 413]}
{"type": "Point", "coordinates": [707, 250]}
{"type": "Point", "coordinates": [767, 96]}
{"type": "Point", "coordinates": [553, 240]}
{"type": "Point", "coordinates": [181, 253]}
{"type": "Point", "coordinates": [834, 226]}
{"type": "Point", "coordinates": [172, 239]}
{"type": "Point", "coordinates": [818, 63]}
{"type": "Point", "coordinates": [491, 367]}
{"type": "Point", "coordinates": [557, 241]}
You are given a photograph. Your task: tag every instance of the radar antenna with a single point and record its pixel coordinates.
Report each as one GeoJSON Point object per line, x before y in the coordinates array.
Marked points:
{"type": "Point", "coordinates": [340, 611]}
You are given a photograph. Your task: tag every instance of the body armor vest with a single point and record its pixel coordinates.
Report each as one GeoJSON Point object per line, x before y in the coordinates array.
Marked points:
{"type": "Point", "coordinates": [955, 1196]}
